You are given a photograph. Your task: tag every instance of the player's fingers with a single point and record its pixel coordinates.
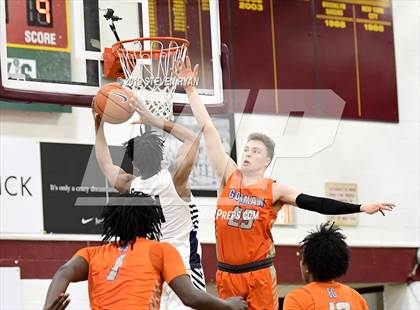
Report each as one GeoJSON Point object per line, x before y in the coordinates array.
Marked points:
{"type": "Point", "coordinates": [188, 61]}
{"type": "Point", "coordinates": [180, 65]}
{"type": "Point", "coordinates": [134, 106]}
{"type": "Point", "coordinates": [389, 204]}
{"type": "Point", "coordinates": [196, 70]}
{"type": "Point", "coordinates": [58, 300]}
{"type": "Point", "coordinates": [64, 304]}
{"type": "Point", "coordinates": [386, 208]}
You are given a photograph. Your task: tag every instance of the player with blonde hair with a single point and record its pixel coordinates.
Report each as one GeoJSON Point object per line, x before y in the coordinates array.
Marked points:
{"type": "Point", "coordinates": [247, 208]}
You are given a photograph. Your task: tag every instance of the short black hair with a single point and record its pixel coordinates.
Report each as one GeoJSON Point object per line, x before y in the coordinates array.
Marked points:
{"type": "Point", "coordinates": [146, 153]}
{"type": "Point", "coordinates": [325, 253]}
{"type": "Point", "coordinates": [131, 216]}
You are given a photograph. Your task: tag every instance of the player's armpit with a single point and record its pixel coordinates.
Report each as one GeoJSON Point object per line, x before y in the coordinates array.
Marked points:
{"type": "Point", "coordinates": [230, 168]}
{"type": "Point", "coordinates": [277, 206]}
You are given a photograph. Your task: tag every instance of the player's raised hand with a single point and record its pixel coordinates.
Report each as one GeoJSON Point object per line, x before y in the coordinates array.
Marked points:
{"type": "Point", "coordinates": [187, 76]}
{"type": "Point", "coordinates": [60, 303]}
{"type": "Point", "coordinates": [237, 303]}
{"type": "Point", "coordinates": [372, 208]}
{"type": "Point", "coordinates": [145, 116]}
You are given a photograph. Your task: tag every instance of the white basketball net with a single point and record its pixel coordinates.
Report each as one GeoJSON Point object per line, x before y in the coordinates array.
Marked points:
{"type": "Point", "coordinates": [147, 66]}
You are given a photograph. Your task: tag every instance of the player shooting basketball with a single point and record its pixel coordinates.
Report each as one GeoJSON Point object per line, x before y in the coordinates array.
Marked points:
{"type": "Point", "coordinates": [181, 215]}
{"type": "Point", "coordinates": [324, 258]}
{"type": "Point", "coordinates": [247, 207]}
{"type": "Point", "coordinates": [127, 271]}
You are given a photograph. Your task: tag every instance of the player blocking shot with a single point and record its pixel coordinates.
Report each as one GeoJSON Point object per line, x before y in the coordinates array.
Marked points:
{"type": "Point", "coordinates": [128, 270]}
{"type": "Point", "coordinates": [324, 257]}
{"type": "Point", "coordinates": [170, 185]}
{"type": "Point", "coordinates": [247, 207]}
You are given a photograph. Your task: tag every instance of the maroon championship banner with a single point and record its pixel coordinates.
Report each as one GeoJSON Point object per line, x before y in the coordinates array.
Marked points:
{"type": "Point", "coordinates": [346, 46]}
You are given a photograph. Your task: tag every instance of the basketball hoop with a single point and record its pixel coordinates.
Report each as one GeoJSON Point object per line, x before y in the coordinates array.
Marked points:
{"type": "Point", "coordinates": [146, 65]}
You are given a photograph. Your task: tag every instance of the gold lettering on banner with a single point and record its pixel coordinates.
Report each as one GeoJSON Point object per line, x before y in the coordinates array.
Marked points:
{"type": "Point", "coordinates": [366, 9]}
{"type": "Point", "coordinates": [378, 10]}
{"type": "Point", "coordinates": [205, 5]}
{"type": "Point", "coordinates": [178, 8]}
{"type": "Point", "coordinates": [370, 14]}
{"type": "Point", "coordinates": [334, 12]}
{"type": "Point", "coordinates": [333, 5]}
{"type": "Point", "coordinates": [334, 9]}
{"type": "Point", "coordinates": [251, 5]}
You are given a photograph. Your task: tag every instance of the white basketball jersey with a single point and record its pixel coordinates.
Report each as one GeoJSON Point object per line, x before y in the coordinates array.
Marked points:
{"type": "Point", "coordinates": [178, 227]}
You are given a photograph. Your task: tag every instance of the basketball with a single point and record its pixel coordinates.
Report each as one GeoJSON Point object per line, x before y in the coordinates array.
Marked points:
{"type": "Point", "coordinates": [112, 103]}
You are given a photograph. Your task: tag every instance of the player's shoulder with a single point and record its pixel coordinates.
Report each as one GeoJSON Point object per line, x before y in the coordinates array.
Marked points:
{"type": "Point", "coordinates": [299, 298]}
{"type": "Point", "coordinates": [356, 296]}
{"type": "Point", "coordinates": [347, 288]}
{"type": "Point", "coordinates": [91, 252]}
{"type": "Point", "coordinates": [162, 251]}
{"type": "Point", "coordinates": [161, 247]}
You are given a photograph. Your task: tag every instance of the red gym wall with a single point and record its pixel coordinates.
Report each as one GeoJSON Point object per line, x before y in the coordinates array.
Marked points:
{"type": "Point", "coordinates": [41, 259]}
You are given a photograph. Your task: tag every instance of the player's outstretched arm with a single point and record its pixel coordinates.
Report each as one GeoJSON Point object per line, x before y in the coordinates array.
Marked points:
{"type": "Point", "coordinates": [187, 152]}
{"type": "Point", "coordinates": [116, 176]}
{"type": "Point", "coordinates": [287, 194]}
{"type": "Point", "coordinates": [222, 164]}
{"type": "Point", "coordinates": [196, 299]}
{"type": "Point", "coordinates": [75, 270]}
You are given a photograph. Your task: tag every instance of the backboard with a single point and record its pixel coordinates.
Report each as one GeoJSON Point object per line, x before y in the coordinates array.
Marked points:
{"type": "Point", "coordinates": [54, 48]}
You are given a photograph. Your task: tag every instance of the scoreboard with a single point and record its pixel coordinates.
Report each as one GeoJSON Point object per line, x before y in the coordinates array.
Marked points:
{"type": "Point", "coordinates": [38, 24]}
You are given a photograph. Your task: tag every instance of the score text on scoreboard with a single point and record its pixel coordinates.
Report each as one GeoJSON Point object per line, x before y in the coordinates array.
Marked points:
{"type": "Point", "coordinates": [38, 24]}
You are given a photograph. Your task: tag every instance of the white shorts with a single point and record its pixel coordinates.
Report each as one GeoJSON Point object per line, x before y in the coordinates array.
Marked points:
{"type": "Point", "coordinates": [170, 301]}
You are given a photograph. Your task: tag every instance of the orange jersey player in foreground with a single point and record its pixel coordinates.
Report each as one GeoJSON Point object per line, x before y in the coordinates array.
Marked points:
{"type": "Point", "coordinates": [128, 271]}
{"type": "Point", "coordinates": [247, 208]}
{"type": "Point", "coordinates": [324, 257]}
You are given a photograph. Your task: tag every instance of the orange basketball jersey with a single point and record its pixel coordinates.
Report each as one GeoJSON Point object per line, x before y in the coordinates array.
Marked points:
{"type": "Point", "coordinates": [324, 295]}
{"type": "Point", "coordinates": [130, 278]}
{"type": "Point", "coordinates": [244, 218]}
